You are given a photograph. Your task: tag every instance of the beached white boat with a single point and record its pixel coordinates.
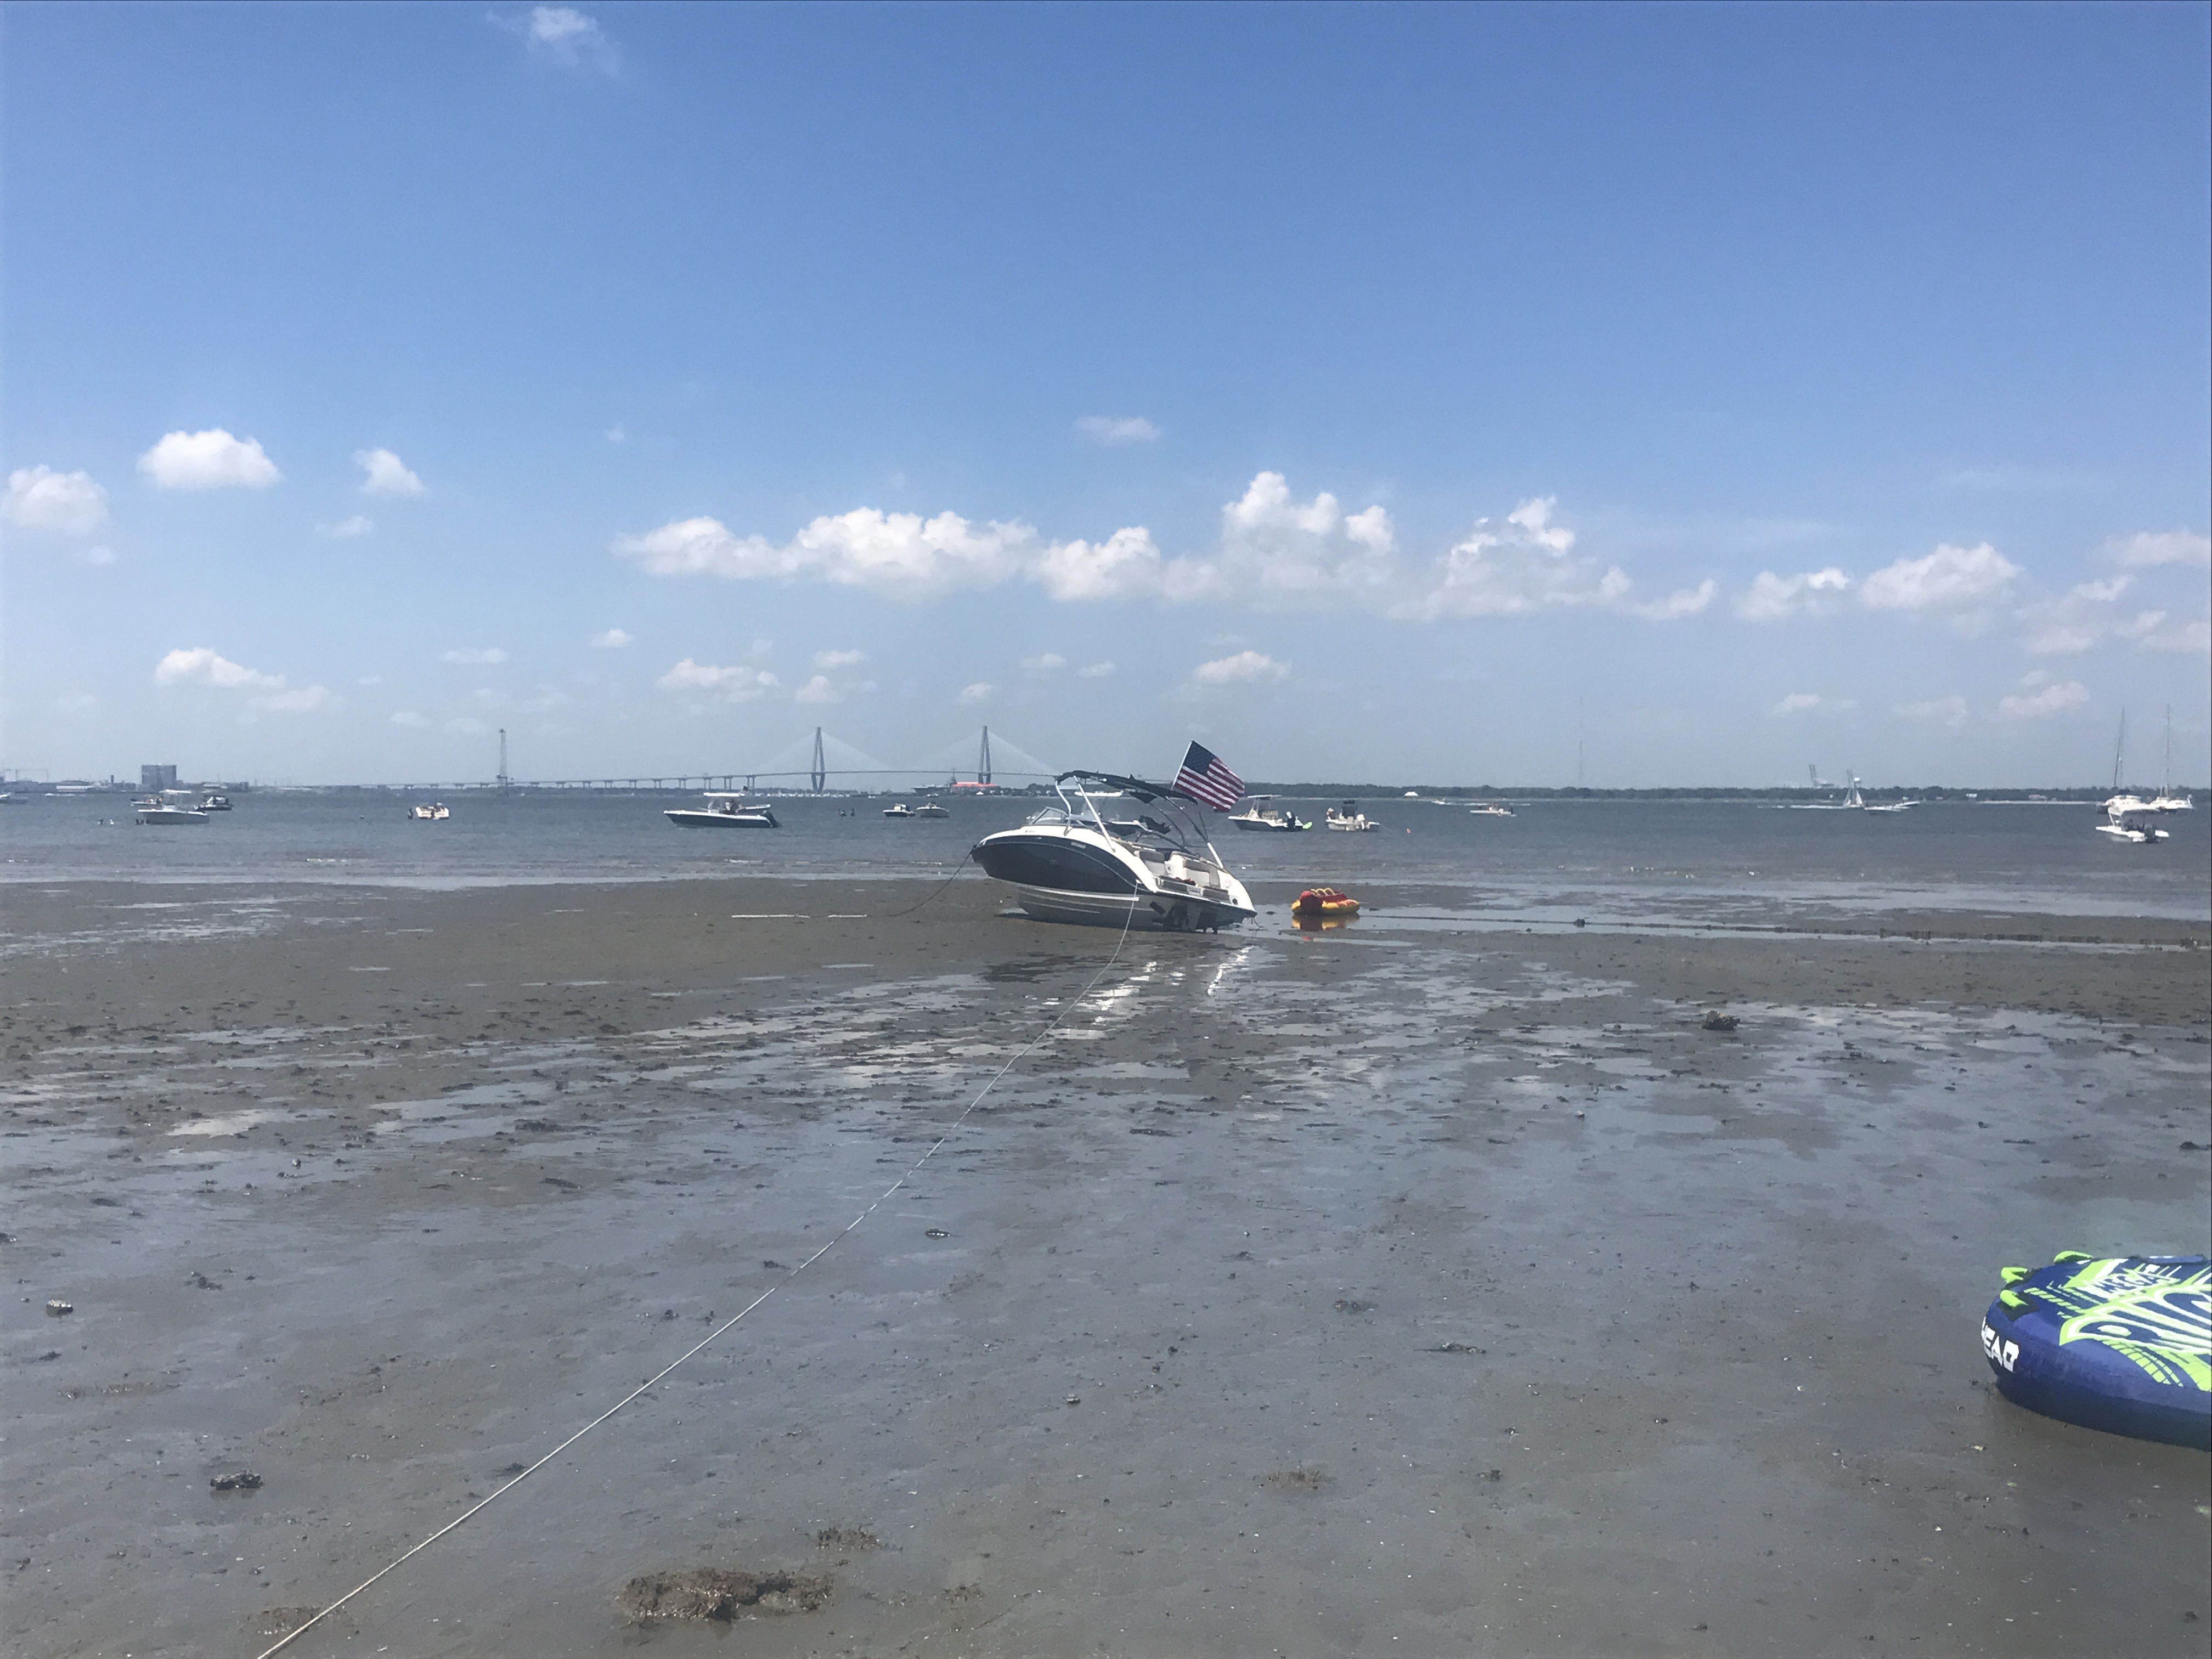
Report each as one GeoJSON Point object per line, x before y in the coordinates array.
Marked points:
{"type": "Point", "coordinates": [1260, 814]}
{"type": "Point", "coordinates": [1348, 819]}
{"type": "Point", "coordinates": [1156, 870]}
{"type": "Point", "coordinates": [725, 809]}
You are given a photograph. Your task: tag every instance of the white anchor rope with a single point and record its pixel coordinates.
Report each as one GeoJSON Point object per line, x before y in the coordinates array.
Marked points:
{"type": "Point", "coordinates": [950, 1130]}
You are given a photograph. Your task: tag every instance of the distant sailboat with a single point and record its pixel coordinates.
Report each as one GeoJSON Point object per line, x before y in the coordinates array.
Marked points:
{"type": "Point", "coordinates": [2166, 801]}
{"type": "Point", "coordinates": [1851, 801]}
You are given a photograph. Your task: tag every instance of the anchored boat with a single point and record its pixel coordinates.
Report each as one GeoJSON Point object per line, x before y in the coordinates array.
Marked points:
{"type": "Point", "coordinates": [725, 810]}
{"type": "Point", "coordinates": [1260, 813]}
{"type": "Point", "coordinates": [1156, 870]}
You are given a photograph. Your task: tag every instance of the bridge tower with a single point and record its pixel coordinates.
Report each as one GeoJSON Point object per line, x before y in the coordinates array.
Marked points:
{"type": "Point", "coordinates": [821, 772]}
{"type": "Point", "coordinates": [983, 762]}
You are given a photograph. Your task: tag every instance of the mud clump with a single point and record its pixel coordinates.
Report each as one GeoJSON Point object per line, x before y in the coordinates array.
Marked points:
{"type": "Point", "coordinates": [1303, 1478]}
{"type": "Point", "coordinates": [847, 1538]}
{"type": "Point", "coordinates": [720, 1595]}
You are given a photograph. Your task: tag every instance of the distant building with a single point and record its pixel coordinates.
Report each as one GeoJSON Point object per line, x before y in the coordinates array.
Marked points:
{"type": "Point", "coordinates": [154, 779]}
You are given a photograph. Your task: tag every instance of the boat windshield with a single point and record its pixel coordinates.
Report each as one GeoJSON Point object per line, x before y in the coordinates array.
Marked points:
{"type": "Point", "coordinates": [1138, 813]}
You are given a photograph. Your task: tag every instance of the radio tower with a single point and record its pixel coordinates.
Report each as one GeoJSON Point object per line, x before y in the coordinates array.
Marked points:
{"type": "Point", "coordinates": [983, 762]}
{"type": "Point", "coordinates": [820, 773]}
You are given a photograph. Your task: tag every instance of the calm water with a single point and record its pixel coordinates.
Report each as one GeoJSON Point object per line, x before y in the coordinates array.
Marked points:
{"type": "Point", "coordinates": [1648, 859]}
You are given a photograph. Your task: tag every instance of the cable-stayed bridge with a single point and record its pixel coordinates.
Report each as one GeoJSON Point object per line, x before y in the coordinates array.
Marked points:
{"type": "Point", "coordinates": [822, 764]}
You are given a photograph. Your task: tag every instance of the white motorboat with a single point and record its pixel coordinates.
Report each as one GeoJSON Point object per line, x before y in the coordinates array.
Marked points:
{"type": "Point", "coordinates": [1260, 813]}
{"type": "Point", "coordinates": [433, 812]}
{"type": "Point", "coordinates": [725, 809]}
{"type": "Point", "coordinates": [1348, 819]}
{"type": "Point", "coordinates": [1489, 809]}
{"type": "Point", "coordinates": [930, 809]}
{"type": "Point", "coordinates": [898, 809]}
{"type": "Point", "coordinates": [216, 804]}
{"type": "Point", "coordinates": [2133, 831]}
{"type": "Point", "coordinates": [156, 809]}
{"type": "Point", "coordinates": [1156, 871]}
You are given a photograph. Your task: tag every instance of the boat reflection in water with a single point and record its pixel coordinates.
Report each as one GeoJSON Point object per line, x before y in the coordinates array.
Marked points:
{"type": "Point", "coordinates": [1152, 869]}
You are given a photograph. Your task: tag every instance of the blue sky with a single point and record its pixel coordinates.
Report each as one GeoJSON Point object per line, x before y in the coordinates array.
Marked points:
{"type": "Point", "coordinates": [1376, 393]}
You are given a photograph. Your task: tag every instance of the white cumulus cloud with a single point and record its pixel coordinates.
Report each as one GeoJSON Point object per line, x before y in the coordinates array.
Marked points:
{"type": "Point", "coordinates": [1283, 550]}
{"type": "Point", "coordinates": [1127, 565]}
{"type": "Point", "coordinates": [1944, 711]}
{"type": "Point", "coordinates": [2148, 548]}
{"type": "Point", "coordinates": [899, 555]}
{"type": "Point", "coordinates": [1275, 550]}
{"type": "Point", "coordinates": [198, 666]}
{"type": "Point", "coordinates": [385, 474]}
{"type": "Point", "coordinates": [347, 529]}
{"type": "Point", "coordinates": [1949, 579]}
{"type": "Point", "coordinates": [209, 460]}
{"type": "Point", "coordinates": [835, 660]}
{"type": "Point", "coordinates": [740, 683]}
{"type": "Point", "coordinates": [1095, 671]}
{"type": "Point", "coordinates": [2047, 699]}
{"type": "Point", "coordinates": [1806, 702]}
{"type": "Point", "coordinates": [1245, 668]}
{"type": "Point", "coordinates": [2194, 635]}
{"type": "Point", "coordinates": [409, 718]}
{"type": "Point", "coordinates": [39, 498]}
{"type": "Point", "coordinates": [612, 638]}
{"type": "Point", "coordinates": [1525, 564]}
{"type": "Point", "coordinates": [820, 688]}
{"type": "Point", "coordinates": [1115, 429]}
{"type": "Point", "coordinates": [566, 35]}
{"type": "Point", "coordinates": [1771, 598]}
{"type": "Point", "coordinates": [979, 692]}
{"type": "Point", "coordinates": [473, 655]}
{"type": "Point", "coordinates": [1050, 662]}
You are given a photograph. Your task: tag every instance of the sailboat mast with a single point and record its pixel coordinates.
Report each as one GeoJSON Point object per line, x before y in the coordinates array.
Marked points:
{"type": "Point", "coordinates": [2120, 751]}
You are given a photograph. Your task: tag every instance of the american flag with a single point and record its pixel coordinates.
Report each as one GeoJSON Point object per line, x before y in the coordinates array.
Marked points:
{"type": "Point", "coordinates": [1204, 778]}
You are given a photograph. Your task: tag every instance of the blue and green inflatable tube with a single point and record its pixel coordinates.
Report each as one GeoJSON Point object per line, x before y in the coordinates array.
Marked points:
{"type": "Point", "coordinates": [2119, 1343]}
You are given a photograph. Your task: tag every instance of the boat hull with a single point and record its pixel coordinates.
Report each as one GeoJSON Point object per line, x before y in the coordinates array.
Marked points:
{"type": "Point", "coordinates": [1060, 876]}
{"type": "Point", "coordinates": [1143, 912]}
{"type": "Point", "coordinates": [170, 815]}
{"type": "Point", "coordinates": [692, 817]}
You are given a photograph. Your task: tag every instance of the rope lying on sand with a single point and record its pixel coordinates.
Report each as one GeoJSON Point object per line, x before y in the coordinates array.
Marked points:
{"type": "Point", "coordinates": [949, 1130]}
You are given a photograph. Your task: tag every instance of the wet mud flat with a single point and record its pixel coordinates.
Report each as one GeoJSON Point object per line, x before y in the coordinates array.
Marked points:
{"type": "Point", "coordinates": [1396, 1289]}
